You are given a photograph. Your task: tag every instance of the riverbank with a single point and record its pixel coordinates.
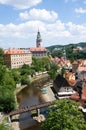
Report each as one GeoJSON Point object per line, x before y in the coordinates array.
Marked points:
{"type": "Point", "coordinates": [33, 79]}
{"type": "Point", "coordinates": [48, 96]}
{"type": "Point", "coordinates": [15, 125]}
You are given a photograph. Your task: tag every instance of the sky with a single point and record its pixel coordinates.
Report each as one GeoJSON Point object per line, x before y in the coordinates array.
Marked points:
{"type": "Point", "coordinates": [60, 22]}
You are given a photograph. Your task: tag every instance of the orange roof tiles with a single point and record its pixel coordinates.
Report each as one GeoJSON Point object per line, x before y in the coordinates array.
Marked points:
{"type": "Point", "coordinates": [61, 61]}
{"type": "Point", "coordinates": [67, 74]}
{"type": "Point", "coordinates": [14, 51]}
{"type": "Point", "coordinates": [56, 59]}
{"type": "Point", "coordinates": [37, 49]}
{"type": "Point", "coordinates": [83, 62]}
{"type": "Point", "coordinates": [82, 65]}
{"type": "Point", "coordinates": [75, 62]}
{"type": "Point", "coordinates": [81, 68]}
{"type": "Point", "coordinates": [84, 92]}
{"type": "Point", "coordinates": [72, 82]}
{"type": "Point", "coordinates": [75, 97]}
{"type": "Point", "coordinates": [67, 61]}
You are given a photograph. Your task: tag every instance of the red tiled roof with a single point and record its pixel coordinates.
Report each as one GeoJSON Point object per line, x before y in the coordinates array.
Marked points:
{"type": "Point", "coordinates": [75, 97]}
{"type": "Point", "coordinates": [61, 58]}
{"type": "Point", "coordinates": [84, 92]}
{"type": "Point", "coordinates": [61, 61]}
{"type": "Point", "coordinates": [83, 62]}
{"type": "Point", "coordinates": [37, 49]}
{"type": "Point", "coordinates": [67, 61]}
{"type": "Point", "coordinates": [14, 51]}
{"type": "Point", "coordinates": [75, 62]}
{"type": "Point", "coordinates": [56, 59]}
{"type": "Point", "coordinates": [72, 82]}
{"type": "Point", "coordinates": [82, 65]}
{"type": "Point", "coordinates": [81, 68]}
{"type": "Point", "coordinates": [68, 74]}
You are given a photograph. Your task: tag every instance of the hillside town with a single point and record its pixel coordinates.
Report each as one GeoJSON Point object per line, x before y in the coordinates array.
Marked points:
{"type": "Point", "coordinates": [66, 81]}
{"type": "Point", "coordinates": [42, 64]}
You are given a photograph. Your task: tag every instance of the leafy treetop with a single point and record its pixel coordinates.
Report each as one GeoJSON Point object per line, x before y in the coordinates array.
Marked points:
{"type": "Point", "coordinates": [64, 115]}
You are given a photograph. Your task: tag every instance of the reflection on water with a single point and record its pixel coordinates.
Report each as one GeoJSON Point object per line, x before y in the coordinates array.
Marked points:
{"type": "Point", "coordinates": [35, 127]}
{"type": "Point", "coordinates": [28, 97]}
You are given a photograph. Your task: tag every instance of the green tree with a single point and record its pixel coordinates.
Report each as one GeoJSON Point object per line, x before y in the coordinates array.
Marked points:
{"type": "Point", "coordinates": [1, 56]}
{"type": "Point", "coordinates": [7, 99]}
{"type": "Point", "coordinates": [64, 115]}
{"type": "Point", "coordinates": [16, 75]}
{"type": "Point", "coordinates": [63, 70]}
{"type": "Point", "coordinates": [25, 80]}
{"type": "Point", "coordinates": [57, 53]}
{"type": "Point", "coordinates": [45, 61]}
{"type": "Point", "coordinates": [2, 127]}
{"type": "Point", "coordinates": [2, 73]}
{"type": "Point", "coordinates": [5, 127]}
{"type": "Point", "coordinates": [53, 70]}
{"type": "Point", "coordinates": [84, 105]}
{"type": "Point", "coordinates": [7, 87]}
{"type": "Point", "coordinates": [6, 77]}
{"type": "Point", "coordinates": [26, 66]}
{"type": "Point", "coordinates": [36, 64]}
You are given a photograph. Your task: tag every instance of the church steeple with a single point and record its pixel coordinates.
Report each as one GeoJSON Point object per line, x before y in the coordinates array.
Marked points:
{"type": "Point", "coordinates": [38, 40]}
{"type": "Point", "coordinates": [64, 53]}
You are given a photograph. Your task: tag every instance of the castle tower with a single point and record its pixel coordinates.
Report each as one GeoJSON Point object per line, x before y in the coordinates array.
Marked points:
{"type": "Point", "coordinates": [38, 40]}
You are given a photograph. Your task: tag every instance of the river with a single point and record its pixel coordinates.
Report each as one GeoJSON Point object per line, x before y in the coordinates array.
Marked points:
{"type": "Point", "coordinates": [27, 97]}
{"type": "Point", "coordinates": [32, 95]}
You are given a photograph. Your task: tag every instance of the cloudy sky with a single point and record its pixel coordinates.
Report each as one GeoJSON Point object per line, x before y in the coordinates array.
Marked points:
{"type": "Point", "coordinates": [59, 21]}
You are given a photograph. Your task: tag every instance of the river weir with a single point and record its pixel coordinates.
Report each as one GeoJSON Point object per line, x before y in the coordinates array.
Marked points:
{"type": "Point", "coordinates": [29, 96]}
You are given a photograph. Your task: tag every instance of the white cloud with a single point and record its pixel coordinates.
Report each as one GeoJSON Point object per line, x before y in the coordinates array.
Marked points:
{"type": "Point", "coordinates": [39, 14]}
{"type": "Point", "coordinates": [80, 10]}
{"type": "Point", "coordinates": [21, 4]}
{"type": "Point", "coordinates": [24, 34]}
{"type": "Point", "coordinates": [76, 30]}
{"type": "Point", "coordinates": [26, 29]}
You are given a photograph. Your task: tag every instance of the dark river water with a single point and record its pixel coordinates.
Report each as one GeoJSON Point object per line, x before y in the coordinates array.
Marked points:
{"type": "Point", "coordinates": [35, 127]}
{"type": "Point", "coordinates": [27, 97]}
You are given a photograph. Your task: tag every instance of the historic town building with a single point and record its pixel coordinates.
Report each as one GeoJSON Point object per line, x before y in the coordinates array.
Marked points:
{"type": "Point", "coordinates": [16, 58]}
{"type": "Point", "coordinates": [38, 51]}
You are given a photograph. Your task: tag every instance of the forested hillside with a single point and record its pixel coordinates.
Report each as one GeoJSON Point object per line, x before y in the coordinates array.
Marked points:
{"type": "Point", "coordinates": [57, 51]}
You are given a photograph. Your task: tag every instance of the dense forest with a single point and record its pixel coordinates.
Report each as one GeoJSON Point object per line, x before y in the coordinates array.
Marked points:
{"type": "Point", "coordinates": [81, 44]}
